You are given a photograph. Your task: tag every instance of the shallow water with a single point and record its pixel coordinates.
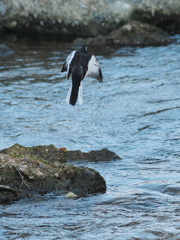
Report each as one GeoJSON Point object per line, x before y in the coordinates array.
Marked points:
{"type": "Point", "coordinates": [134, 112]}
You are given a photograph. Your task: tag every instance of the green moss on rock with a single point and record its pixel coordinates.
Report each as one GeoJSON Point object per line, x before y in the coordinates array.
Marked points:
{"type": "Point", "coordinates": [23, 172]}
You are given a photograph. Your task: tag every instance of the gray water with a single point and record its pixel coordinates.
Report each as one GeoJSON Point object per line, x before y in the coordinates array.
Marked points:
{"type": "Point", "coordinates": [134, 112]}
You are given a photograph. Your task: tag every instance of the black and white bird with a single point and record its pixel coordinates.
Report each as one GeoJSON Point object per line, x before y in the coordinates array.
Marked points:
{"type": "Point", "coordinates": [79, 65]}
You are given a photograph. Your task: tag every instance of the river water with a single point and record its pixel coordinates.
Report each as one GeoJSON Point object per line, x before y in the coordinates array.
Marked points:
{"type": "Point", "coordinates": [135, 112]}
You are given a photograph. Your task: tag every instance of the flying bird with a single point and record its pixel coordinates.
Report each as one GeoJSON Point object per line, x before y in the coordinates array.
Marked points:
{"type": "Point", "coordinates": [79, 65]}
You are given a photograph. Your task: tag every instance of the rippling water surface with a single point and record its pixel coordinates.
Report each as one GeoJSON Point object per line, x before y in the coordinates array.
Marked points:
{"type": "Point", "coordinates": [134, 112]}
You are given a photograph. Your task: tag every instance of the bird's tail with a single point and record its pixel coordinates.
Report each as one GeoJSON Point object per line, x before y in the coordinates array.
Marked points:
{"type": "Point", "coordinates": [75, 92]}
{"type": "Point", "coordinates": [80, 94]}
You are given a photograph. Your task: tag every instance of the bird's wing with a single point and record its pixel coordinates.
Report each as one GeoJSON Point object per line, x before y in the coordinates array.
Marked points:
{"type": "Point", "coordinates": [94, 70]}
{"type": "Point", "coordinates": [67, 63]}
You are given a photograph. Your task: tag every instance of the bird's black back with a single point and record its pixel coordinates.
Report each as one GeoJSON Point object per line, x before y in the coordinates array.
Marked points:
{"type": "Point", "coordinates": [82, 59]}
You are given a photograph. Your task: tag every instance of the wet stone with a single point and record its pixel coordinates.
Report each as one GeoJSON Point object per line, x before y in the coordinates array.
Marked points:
{"type": "Point", "coordinates": [54, 154]}
{"type": "Point", "coordinates": [25, 171]}
{"type": "Point", "coordinates": [133, 33]}
{"type": "Point", "coordinates": [5, 51]}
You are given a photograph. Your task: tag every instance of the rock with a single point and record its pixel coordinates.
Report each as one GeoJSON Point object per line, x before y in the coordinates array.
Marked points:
{"type": "Point", "coordinates": [5, 51]}
{"type": "Point", "coordinates": [164, 14]}
{"type": "Point", "coordinates": [25, 171]}
{"type": "Point", "coordinates": [54, 154]}
{"type": "Point", "coordinates": [57, 16]}
{"type": "Point", "coordinates": [88, 18]}
{"type": "Point", "coordinates": [94, 155]}
{"type": "Point", "coordinates": [133, 33]}
{"type": "Point", "coordinates": [172, 190]}
{"type": "Point", "coordinates": [46, 152]}
{"type": "Point", "coordinates": [71, 195]}
{"type": "Point", "coordinates": [20, 178]}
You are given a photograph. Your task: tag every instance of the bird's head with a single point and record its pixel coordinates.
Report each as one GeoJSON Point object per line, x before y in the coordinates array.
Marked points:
{"type": "Point", "coordinates": [83, 49]}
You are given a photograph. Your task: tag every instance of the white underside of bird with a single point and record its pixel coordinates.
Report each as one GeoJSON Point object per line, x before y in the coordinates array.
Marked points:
{"type": "Point", "coordinates": [80, 94]}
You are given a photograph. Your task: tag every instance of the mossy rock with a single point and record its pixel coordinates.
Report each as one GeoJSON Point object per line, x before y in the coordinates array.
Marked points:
{"type": "Point", "coordinates": [46, 152]}
{"type": "Point", "coordinates": [51, 153]}
{"type": "Point", "coordinates": [21, 178]}
{"type": "Point", "coordinates": [25, 171]}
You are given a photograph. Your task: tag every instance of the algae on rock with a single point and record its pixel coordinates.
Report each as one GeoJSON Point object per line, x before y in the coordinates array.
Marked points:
{"type": "Point", "coordinates": [41, 169]}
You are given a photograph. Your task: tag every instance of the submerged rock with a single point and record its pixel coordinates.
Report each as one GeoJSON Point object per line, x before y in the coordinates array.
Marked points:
{"type": "Point", "coordinates": [5, 51]}
{"type": "Point", "coordinates": [94, 155]}
{"type": "Point", "coordinates": [25, 171]}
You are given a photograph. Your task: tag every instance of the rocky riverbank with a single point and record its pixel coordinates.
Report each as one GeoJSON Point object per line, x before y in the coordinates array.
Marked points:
{"type": "Point", "coordinates": [95, 19]}
{"type": "Point", "coordinates": [26, 171]}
